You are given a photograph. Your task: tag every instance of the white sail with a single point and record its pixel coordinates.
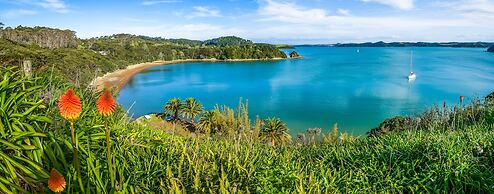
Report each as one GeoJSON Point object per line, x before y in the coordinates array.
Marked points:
{"type": "Point", "coordinates": [412, 75]}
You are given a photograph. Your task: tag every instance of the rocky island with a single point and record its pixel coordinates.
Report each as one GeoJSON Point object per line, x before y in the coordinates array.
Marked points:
{"type": "Point", "coordinates": [294, 54]}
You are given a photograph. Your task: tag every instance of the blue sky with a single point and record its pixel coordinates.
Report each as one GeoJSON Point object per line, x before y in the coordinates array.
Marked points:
{"type": "Point", "coordinates": [273, 21]}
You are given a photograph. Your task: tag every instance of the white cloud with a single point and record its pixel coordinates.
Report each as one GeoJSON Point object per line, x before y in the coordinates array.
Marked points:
{"type": "Point", "coordinates": [203, 11]}
{"type": "Point", "coordinates": [290, 12]}
{"type": "Point", "coordinates": [286, 21]}
{"type": "Point", "coordinates": [58, 6]}
{"type": "Point", "coordinates": [54, 5]}
{"type": "Point", "coordinates": [18, 13]}
{"type": "Point", "coordinates": [343, 11]}
{"type": "Point", "coordinates": [149, 2]}
{"type": "Point", "coordinates": [199, 31]}
{"type": "Point", "coordinates": [399, 4]}
{"type": "Point", "coordinates": [293, 20]}
{"type": "Point", "coordinates": [474, 8]}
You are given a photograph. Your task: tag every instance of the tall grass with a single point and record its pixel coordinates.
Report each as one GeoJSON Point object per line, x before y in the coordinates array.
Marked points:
{"type": "Point", "coordinates": [432, 157]}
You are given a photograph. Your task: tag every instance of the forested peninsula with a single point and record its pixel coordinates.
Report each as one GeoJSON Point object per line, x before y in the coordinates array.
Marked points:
{"type": "Point", "coordinates": [80, 60]}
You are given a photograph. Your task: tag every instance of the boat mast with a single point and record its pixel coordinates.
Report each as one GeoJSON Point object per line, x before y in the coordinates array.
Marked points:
{"type": "Point", "coordinates": [411, 61]}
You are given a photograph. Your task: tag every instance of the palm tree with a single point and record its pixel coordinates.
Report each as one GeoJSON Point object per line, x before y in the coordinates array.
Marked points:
{"type": "Point", "coordinates": [173, 107]}
{"type": "Point", "coordinates": [275, 131]}
{"type": "Point", "coordinates": [191, 108]}
{"type": "Point", "coordinates": [211, 121]}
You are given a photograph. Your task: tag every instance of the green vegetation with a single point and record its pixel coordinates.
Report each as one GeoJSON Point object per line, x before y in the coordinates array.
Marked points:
{"type": "Point", "coordinates": [230, 153]}
{"type": "Point", "coordinates": [285, 46]}
{"type": "Point", "coordinates": [61, 54]}
{"type": "Point", "coordinates": [294, 54]}
{"type": "Point", "coordinates": [21, 139]}
{"type": "Point", "coordinates": [275, 131]}
{"type": "Point", "coordinates": [227, 41]}
{"type": "Point", "coordinates": [41, 36]}
{"type": "Point", "coordinates": [223, 150]}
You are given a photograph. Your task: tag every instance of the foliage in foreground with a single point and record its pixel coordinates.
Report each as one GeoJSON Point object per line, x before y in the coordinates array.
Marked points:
{"type": "Point", "coordinates": [442, 160]}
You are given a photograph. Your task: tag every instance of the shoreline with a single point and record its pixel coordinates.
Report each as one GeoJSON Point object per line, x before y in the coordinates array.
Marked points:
{"type": "Point", "coordinates": [119, 78]}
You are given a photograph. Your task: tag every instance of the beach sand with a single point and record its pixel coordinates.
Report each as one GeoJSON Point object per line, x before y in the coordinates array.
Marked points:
{"type": "Point", "coordinates": [119, 78]}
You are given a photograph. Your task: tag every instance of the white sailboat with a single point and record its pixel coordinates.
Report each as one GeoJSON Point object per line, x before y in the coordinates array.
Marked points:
{"type": "Point", "coordinates": [412, 75]}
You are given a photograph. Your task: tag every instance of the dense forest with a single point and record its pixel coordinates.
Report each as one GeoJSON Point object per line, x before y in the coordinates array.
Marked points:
{"type": "Point", "coordinates": [491, 49]}
{"type": "Point", "coordinates": [228, 41]}
{"type": "Point", "coordinates": [80, 60]}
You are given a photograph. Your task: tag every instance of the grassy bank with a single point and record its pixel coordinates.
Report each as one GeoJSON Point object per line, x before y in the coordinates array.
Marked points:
{"type": "Point", "coordinates": [452, 153]}
{"type": "Point", "coordinates": [446, 149]}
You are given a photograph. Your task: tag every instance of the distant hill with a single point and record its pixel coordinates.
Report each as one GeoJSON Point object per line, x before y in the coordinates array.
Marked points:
{"type": "Point", "coordinates": [227, 41]}
{"type": "Point", "coordinates": [410, 44]}
{"type": "Point", "coordinates": [285, 46]}
{"type": "Point", "coordinates": [491, 49]}
{"type": "Point", "coordinates": [140, 38]}
{"type": "Point", "coordinates": [220, 42]}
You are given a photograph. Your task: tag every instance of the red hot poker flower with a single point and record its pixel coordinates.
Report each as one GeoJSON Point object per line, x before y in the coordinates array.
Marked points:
{"type": "Point", "coordinates": [462, 98]}
{"type": "Point", "coordinates": [69, 105]}
{"type": "Point", "coordinates": [106, 104]}
{"type": "Point", "coordinates": [56, 182]}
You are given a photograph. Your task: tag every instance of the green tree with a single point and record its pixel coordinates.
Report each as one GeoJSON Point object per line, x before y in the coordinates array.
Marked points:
{"type": "Point", "coordinates": [275, 131]}
{"type": "Point", "coordinates": [191, 108]}
{"type": "Point", "coordinates": [211, 121]}
{"type": "Point", "coordinates": [173, 107]}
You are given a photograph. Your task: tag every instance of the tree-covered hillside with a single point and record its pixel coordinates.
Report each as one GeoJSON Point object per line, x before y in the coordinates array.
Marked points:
{"type": "Point", "coordinates": [80, 60]}
{"type": "Point", "coordinates": [227, 41]}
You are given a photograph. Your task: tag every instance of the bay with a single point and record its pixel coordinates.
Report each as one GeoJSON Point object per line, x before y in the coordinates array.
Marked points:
{"type": "Point", "coordinates": [355, 87]}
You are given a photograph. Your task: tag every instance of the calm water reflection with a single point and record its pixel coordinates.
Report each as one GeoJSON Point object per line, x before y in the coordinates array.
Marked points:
{"type": "Point", "coordinates": [355, 89]}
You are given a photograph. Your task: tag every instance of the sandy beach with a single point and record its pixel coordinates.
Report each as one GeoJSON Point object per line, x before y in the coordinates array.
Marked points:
{"type": "Point", "coordinates": [119, 78]}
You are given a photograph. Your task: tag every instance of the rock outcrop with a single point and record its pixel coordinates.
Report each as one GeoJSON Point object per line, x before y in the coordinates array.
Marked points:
{"type": "Point", "coordinates": [41, 36]}
{"type": "Point", "coordinates": [491, 49]}
{"type": "Point", "coordinates": [294, 54]}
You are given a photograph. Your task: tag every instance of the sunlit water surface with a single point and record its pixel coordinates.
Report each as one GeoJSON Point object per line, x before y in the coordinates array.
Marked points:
{"type": "Point", "coordinates": [329, 85]}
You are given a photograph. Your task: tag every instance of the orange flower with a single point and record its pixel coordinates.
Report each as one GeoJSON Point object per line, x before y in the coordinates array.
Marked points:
{"type": "Point", "coordinates": [106, 104]}
{"type": "Point", "coordinates": [461, 98]}
{"type": "Point", "coordinates": [69, 105]}
{"type": "Point", "coordinates": [56, 182]}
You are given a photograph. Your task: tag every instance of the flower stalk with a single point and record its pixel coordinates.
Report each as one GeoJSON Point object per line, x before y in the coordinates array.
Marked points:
{"type": "Point", "coordinates": [106, 106]}
{"type": "Point", "coordinates": [70, 109]}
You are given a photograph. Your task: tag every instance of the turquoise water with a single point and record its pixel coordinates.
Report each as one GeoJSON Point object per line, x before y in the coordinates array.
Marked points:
{"type": "Point", "coordinates": [357, 90]}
